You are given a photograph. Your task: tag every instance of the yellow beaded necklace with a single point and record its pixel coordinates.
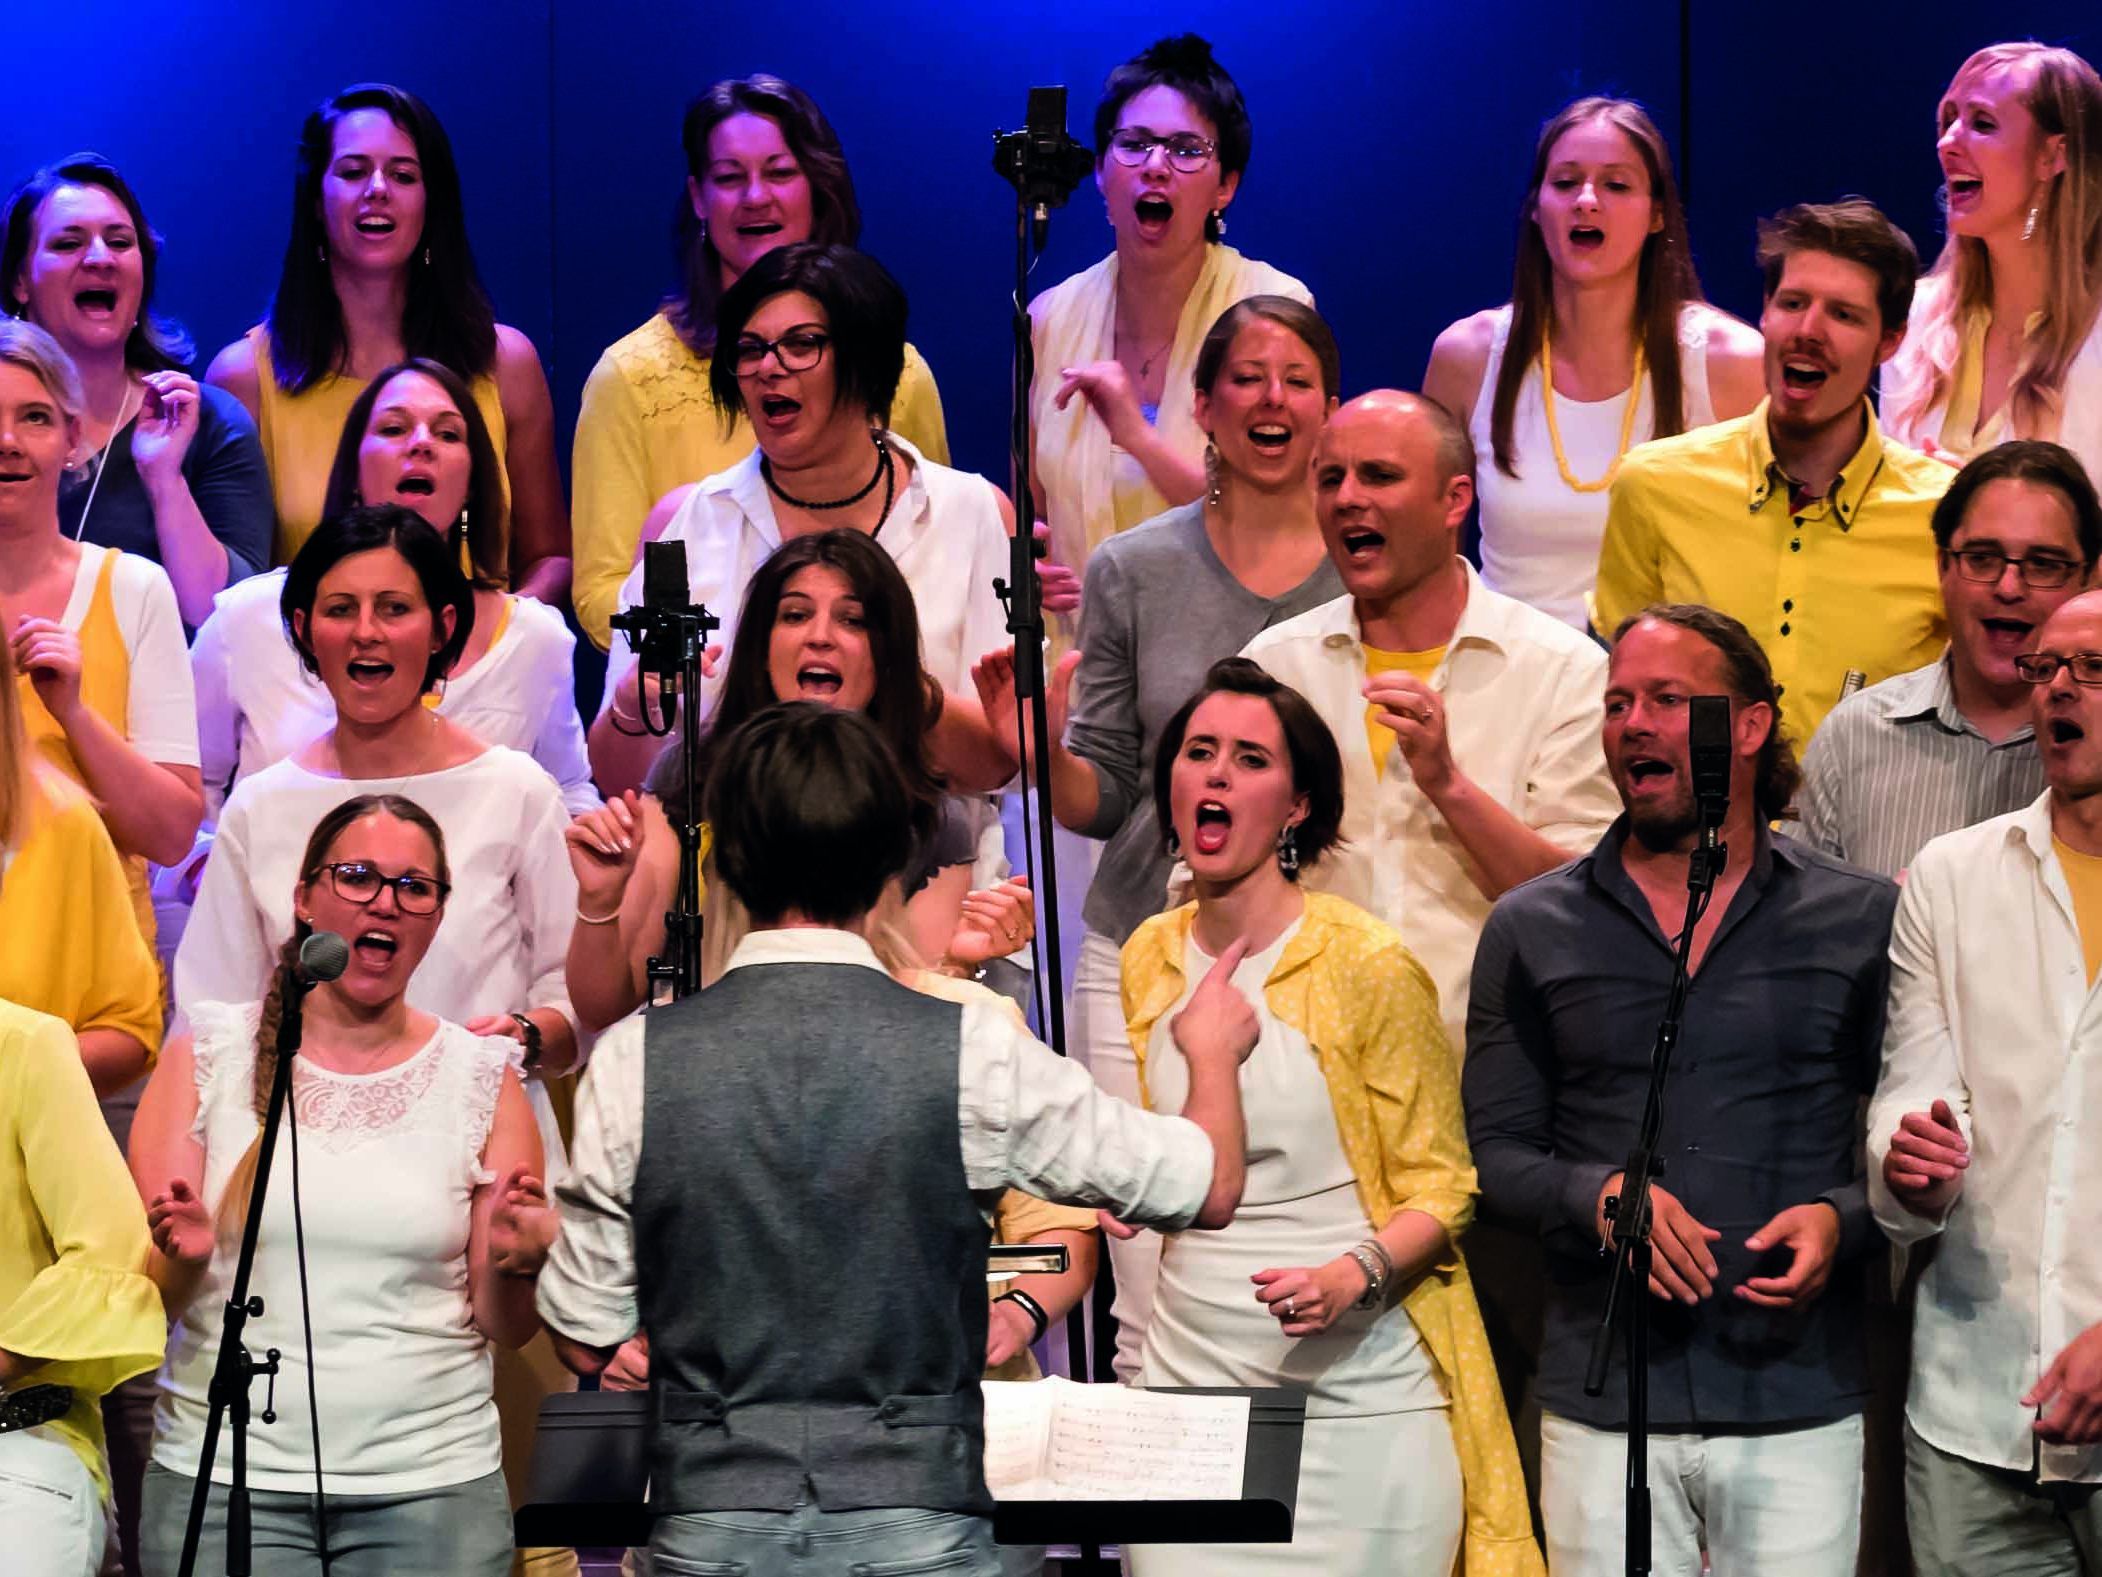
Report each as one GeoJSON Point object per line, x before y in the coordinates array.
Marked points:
{"type": "Point", "coordinates": [1554, 432]}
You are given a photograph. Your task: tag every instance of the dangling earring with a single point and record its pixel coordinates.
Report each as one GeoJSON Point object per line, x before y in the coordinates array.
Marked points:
{"type": "Point", "coordinates": [426, 257]}
{"type": "Point", "coordinates": [1287, 853]}
{"type": "Point", "coordinates": [1174, 845]}
{"type": "Point", "coordinates": [321, 250]}
{"type": "Point", "coordinates": [1218, 221]}
{"type": "Point", "coordinates": [1211, 474]}
{"type": "Point", "coordinates": [2029, 224]}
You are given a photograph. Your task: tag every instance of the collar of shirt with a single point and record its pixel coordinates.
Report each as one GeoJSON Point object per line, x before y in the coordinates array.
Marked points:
{"type": "Point", "coordinates": [1486, 620]}
{"type": "Point", "coordinates": [804, 944]}
{"type": "Point", "coordinates": [746, 488]}
{"type": "Point", "coordinates": [1928, 695]}
{"type": "Point", "coordinates": [1609, 874]}
{"type": "Point", "coordinates": [1849, 489]}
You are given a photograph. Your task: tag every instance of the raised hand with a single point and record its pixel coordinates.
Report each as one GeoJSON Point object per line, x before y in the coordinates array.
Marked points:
{"type": "Point", "coordinates": [995, 922]}
{"type": "Point", "coordinates": [50, 654]}
{"type": "Point", "coordinates": [1218, 1020]}
{"type": "Point", "coordinates": [167, 423]}
{"type": "Point", "coordinates": [993, 676]}
{"type": "Point", "coordinates": [181, 1228]}
{"type": "Point", "coordinates": [604, 847]}
{"type": "Point", "coordinates": [1416, 714]}
{"type": "Point", "coordinates": [1106, 387]}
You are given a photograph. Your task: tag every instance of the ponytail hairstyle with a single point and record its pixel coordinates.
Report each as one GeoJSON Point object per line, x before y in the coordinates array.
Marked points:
{"type": "Point", "coordinates": [240, 1183]}
{"type": "Point", "coordinates": [2064, 94]}
{"type": "Point", "coordinates": [1665, 285]}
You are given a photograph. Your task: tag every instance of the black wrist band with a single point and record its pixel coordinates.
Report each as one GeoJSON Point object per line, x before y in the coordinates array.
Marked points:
{"type": "Point", "coordinates": [534, 1047]}
{"type": "Point", "coordinates": [1033, 1309]}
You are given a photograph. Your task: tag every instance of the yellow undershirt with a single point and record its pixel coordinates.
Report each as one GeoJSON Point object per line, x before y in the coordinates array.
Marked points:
{"type": "Point", "coordinates": [1377, 662]}
{"type": "Point", "coordinates": [2083, 873]}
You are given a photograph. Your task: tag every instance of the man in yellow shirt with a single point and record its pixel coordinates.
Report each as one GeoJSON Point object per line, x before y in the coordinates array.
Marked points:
{"type": "Point", "coordinates": [1801, 520]}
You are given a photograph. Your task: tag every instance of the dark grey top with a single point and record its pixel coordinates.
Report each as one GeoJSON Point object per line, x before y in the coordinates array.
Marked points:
{"type": "Point", "coordinates": [227, 475]}
{"type": "Point", "coordinates": [1782, 1039]}
{"type": "Point", "coordinates": [805, 1342]}
{"type": "Point", "coordinates": [1157, 610]}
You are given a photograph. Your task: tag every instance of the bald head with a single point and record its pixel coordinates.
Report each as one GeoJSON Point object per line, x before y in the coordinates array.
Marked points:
{"type": "Point", "coordinates": [2068, 716]}
{"type": "Point", "coordinates": [1397, 410]}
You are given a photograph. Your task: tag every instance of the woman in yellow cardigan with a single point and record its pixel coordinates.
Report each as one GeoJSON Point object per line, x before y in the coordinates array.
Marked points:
{"type": "Point", "coordinates": [1340, 1273]}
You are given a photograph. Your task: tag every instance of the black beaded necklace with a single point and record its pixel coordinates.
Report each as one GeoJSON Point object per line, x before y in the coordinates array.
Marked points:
{"type": "Point", "coordinates": [885, 472]}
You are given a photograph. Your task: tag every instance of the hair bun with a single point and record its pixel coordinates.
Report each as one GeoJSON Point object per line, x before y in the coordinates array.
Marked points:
{"type": "Point", "coordinates": [1187, 54]}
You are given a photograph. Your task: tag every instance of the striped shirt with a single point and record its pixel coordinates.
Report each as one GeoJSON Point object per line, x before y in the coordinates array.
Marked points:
{"type": "Point", "coordinates": [1898, 765]}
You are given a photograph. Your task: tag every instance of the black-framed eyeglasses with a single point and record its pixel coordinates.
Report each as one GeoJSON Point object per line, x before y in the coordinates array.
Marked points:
{"type": "Point", "coordinates": [2043, 571]}
{"type": "Point", "coordinates": [360, 883]}
{"type": "Point", "coordinates": [2042, 667]}
{"type": "Point", "coordinates": [798, 351]}
{"type": "Point", "coordinates": [1187, 151]}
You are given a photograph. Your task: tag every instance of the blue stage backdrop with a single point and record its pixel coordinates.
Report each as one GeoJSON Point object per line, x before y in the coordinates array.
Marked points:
{"type": "Point", "coordinates": [1392, 139]}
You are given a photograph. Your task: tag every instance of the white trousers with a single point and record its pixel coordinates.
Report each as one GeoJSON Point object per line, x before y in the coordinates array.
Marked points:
{"type": "Point", "coordinates": [1759, 1505]}
{"type": "Point", "coordinates": [51, 1515]}
{"type": "Point", "coordinates": [1098, 1039]}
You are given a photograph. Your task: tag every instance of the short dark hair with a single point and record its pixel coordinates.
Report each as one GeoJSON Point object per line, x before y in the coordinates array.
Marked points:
{"type": "Point", "coordinates": [864, 314]}
{"type": "Point", "coordinates": [1286, 313]}
{"type": "Point", "coordinates": [907, 701]}
{"type": "Point", "coordinates": [1853, 228]}
{"type": "Point", "coordinates": [811, 814]}
{"type": "Point", "coordinates": [447, 316]}
{"type": "Point", "coordinates": [487, 507]}
{"type": "Point", "coordinates": [1317, 765]}
{"type": "Point", "coordinates": [1184, 63]}
{"type": "Point", "coordinates": [2025, 460]}
{"type": "Point", "coordinates": [834, 213]}
{"type": "Point", "coordinates": [435, 562]}
{"type": "Point", "coordinates": [156, 343]}
{"type": "Point", "coordinates": [1751, 678]}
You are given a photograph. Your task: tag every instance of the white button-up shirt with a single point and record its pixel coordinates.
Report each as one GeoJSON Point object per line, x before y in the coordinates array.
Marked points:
{"type": "Point", "coordinates": [1991, 1010]}
{"type": "Point", "coordinates": [945, 535]}
{"type": "Point", "coordinates": [1027, 1118]}
{"type": "Point", "coordinates": [1524, 702]}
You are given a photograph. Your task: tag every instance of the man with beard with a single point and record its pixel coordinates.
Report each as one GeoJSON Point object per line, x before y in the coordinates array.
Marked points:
{"type": "Point", "coordinates": [1950, 745]}
{"type": "Point", "coordinates": [1983, 1135]}
{"type": "Point", "coordinates": [1801, 519]}
{"type": "Point", "coordinates": [1757, 1367]}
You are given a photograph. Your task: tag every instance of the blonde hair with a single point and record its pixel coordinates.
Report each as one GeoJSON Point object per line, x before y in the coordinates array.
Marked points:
{"type": "Point", "coordinates": [24, 345]}
{"type": "Point", "coordinates": [2064, 95]}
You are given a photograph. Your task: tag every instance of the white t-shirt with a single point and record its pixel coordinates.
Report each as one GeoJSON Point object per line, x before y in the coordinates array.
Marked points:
{"type": "Point", "coordinates": [257, 704]}
{"type": "Point", "coordinates": [945, 534]}
{"type": "Point", "coordinates": [388, 1165]}
{"type": "Point", "coordinates": [160, 709]}
{"type": "Point", "coordinates": [502, 945]}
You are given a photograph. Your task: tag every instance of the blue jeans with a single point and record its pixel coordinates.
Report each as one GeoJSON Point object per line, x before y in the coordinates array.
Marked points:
{"type": "Point", "coordinates": [462, 1530]}
{"type": "Point", "coordinates": [807, 1542]}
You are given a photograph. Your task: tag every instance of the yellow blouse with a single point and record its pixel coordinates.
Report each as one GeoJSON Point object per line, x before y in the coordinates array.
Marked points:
{"type": "Point", "coordinates": [1370, 1012]}
{"type": "Point", "coordinates": [648, 425]}
{"type": "Point", "coordinates": [72, 1234]}
{"type": "Point", "coordinates": [300, 432]}
{"type": "Point", "coordinates": [71, 938]}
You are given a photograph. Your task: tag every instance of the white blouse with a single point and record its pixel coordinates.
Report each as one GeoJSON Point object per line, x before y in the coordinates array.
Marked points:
{"type": "Point", "coordinates": [257, 704]}
{"type": "Point", "coordinates": [502, 944]}
{"type": "Point", "coordinates": [388, 1166]}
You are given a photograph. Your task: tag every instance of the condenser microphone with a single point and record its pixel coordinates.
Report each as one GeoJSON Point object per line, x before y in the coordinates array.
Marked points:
{"type": "Point", "coordinates": [1708, 746]}
{"type": "Point", "coordinates": [322, 957]}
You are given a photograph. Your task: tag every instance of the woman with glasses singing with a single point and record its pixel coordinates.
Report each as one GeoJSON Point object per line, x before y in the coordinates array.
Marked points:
{"type": "Point", "coordinates": [378, 608]}
{"type": "Point", "coordinates": [1112, 405]}
{"type": "Point", "coordinates": [413, 1137]}
{"type": "Point", "coordinates": [809, 349]}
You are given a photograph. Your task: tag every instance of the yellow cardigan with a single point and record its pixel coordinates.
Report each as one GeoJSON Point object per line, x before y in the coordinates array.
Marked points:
{"type": "Point", "coordinates": [1370, 1012]}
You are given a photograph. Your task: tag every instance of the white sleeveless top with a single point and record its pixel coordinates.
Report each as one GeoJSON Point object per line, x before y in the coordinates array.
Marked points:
{"type": "Point", "coordinates": [388, 1165]}
{"type": "Point", "coordinates": [1540, 539]}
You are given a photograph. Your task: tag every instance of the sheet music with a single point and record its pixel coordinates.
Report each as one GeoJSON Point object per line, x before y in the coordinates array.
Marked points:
{"type": "Point", "coordinates": [1110, 1442]}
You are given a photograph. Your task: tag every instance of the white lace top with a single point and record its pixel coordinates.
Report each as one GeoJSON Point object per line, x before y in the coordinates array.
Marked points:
{"type": "Point", "coordinates": [388, 1165]}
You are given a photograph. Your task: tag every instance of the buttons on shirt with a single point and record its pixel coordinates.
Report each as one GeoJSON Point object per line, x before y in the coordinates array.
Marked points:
{"type": "Point", "coordinates": [1788, 604]}
{"type": "Point", "coordinates": [1796, 546]}
{"type": "Point", "coordinates": [1784, 626]}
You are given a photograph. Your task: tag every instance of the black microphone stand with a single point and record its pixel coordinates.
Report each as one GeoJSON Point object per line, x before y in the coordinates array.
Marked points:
{"type": "Point", "coordinates": [237, 1367]}
{"type": "Point", "coordinates": [1630, 1212]}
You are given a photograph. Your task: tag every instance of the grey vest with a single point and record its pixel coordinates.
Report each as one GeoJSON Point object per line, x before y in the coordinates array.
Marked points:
{"type": "Point", "coordinates": [811, 1261]}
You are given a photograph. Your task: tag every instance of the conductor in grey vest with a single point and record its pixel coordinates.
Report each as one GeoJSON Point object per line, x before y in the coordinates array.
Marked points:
{"type": "Point", "coordinates": [787, 1179]}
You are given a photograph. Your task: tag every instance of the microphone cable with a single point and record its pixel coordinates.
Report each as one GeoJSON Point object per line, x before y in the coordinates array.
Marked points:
{"type": "Point", "coordinates": [306, 1318]}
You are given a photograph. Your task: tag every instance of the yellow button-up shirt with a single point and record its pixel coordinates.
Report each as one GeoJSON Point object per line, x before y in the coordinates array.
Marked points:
{"type": "Point", "coordinates": [1848, 582]}
{"type": "Point", "coordinates": [1370, 1013]}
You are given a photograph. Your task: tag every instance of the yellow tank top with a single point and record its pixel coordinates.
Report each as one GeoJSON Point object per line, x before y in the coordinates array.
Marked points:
{"type": "Point", "coordinates": [105, 689]}
{"type": "Point", "coordinates": [2083, 874]}
{"type": "Point", "coordinates": [1422, 665]}
{"type": "Point", "coordinates": [299, 433]}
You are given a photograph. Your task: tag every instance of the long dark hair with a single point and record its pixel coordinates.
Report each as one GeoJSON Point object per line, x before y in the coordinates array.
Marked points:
{"type": "Point", "coordinates": [447, 316]}
{"type": "Point", "coordinates": [156, 343]}
{"type": "Point", "coordinates": [233, 1203]}
{"type": "Point", "coordinates": [834, 213]}
{"type": "Point", "coordinates": [435, 562]}
{"type": "Point", "coordinates": [906, 703]}
{"type": "Point", "coordinates": [487, 511]}
{"type": "Point", "coordinates": [1665, 284]}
